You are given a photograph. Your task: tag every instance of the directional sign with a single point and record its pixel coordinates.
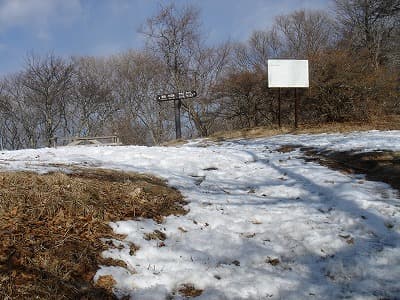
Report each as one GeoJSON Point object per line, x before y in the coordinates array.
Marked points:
{"type": "Point", "coordinates": [177, 96]}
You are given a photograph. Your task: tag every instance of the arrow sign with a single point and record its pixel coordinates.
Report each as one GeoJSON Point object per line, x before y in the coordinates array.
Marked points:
{"type": "Point", "coordinates": [177, 96]}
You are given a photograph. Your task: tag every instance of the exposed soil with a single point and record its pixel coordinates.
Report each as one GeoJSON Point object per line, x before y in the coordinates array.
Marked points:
{"type": "Point", "coordinates": [51, 225]}
{"type": "Point", "coordinates": [381, 166]}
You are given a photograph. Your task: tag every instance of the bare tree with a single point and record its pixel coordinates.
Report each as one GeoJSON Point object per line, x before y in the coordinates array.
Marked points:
{"type": "Point", "coordinates": [243, 95]}
{"type": "Point", "coordinates": [209, 67]}
{"type": "Point", "coordinates": [138, 78]}
{"type": "Point", "coordinates": [254, 55]}
{"type": "Point", "coordinates": [305, 33]}
{"type": "Point", "coordinates": [48, 83]}
{"type": "Point", "coordinates": [94, 105]}
{"type": "Point", "coordinates": [174, 35]}
{"type": "Point", "coordinates": [371, 25]}
{"type": "Point", "coordinates": [20, 124]}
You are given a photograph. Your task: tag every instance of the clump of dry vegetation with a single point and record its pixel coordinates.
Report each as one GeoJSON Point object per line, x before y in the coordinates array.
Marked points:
{"type": "Point", "coordinates": [51, 225]}
{"type": "Point", "coordinates": [187, 290]}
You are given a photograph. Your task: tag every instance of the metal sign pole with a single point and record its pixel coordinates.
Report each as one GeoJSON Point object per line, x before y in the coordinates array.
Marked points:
{"type": "Point", "coordinates": [296, 108]}
{"type": "Point", "coordinates": [279, 107]}
{"type": "Point", "coordinates": [177, 106]}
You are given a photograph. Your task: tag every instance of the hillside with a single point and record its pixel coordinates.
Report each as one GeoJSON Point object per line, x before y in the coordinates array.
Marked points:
{"type": "Point", "coordinates": [263, 220]}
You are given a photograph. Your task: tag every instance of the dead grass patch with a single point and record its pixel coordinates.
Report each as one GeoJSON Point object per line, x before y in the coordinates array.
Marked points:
{"type": "Point", "coordinates": [155, 235]}
{"type": "Point", "coordinates": [273, 261]}
{"type": "Point", "coordinates": [188, 290]}
{"type": "Point", "coordinates": [51, 226]}
{"type": "Point", "coordinates": [177, 142]}
{"type": "Point", "coordinates": [106, 282]}
{"type": "Point", "coordinates": [390, 122]}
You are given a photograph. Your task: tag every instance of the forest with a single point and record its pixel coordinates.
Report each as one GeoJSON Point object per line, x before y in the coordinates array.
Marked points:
{"type": "Point", "coordinates": [353, 52]}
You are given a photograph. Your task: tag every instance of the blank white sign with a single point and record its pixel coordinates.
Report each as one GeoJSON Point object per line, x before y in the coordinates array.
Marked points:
{"type": "Point", "coordinates": [287, 73]}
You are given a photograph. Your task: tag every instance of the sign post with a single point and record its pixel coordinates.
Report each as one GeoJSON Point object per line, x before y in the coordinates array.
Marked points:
{"type": "Point", "coordinates": [177, 98]}
{"type": "Point", "coordinates": [279, 107]}
{"type": "Point", "coordinates": [177, 106]}
{"type": "Point", "coordinates": [288, 73]}
{"type": "Point", "coordinates": [296, 108]}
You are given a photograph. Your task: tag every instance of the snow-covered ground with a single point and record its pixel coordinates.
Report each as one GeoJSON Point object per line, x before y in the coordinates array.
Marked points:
{"type": "Point", "coordinates": [261, 224]}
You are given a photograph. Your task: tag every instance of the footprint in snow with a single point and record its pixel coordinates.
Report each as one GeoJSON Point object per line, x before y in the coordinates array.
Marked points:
{"type": "Point", "coordinates": [198, 179]}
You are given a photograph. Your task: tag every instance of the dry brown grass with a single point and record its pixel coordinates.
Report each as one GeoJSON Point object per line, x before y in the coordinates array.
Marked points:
{"type": "Point", "coordinates": [177, 142]}
{"type": "Point", "coordinates": [51, 227]}
{"type": "Point", "coordinates": [188, 290]}
{"type": "Point", "coordinates": [390, 122]}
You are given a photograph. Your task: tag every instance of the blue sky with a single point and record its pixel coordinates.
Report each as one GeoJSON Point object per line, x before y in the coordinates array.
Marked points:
{"type": "Point", "coordinates": [104, 27]}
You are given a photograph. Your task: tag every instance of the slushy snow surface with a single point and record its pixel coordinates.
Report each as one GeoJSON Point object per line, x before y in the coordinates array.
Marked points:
{"type": "Point", "coordinates": [261, 224]}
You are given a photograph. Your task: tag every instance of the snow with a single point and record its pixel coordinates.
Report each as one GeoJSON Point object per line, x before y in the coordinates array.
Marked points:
{"type": "Point", "coordinates": [360, 141]}
{"type": "Point", "coordinates": [248, 205]}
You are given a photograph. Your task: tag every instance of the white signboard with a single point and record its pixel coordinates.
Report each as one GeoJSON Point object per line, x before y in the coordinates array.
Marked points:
{"type": "Point", "coordinates": [287, 73]}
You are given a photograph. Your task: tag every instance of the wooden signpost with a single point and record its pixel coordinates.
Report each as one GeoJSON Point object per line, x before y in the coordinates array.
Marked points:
{"type": "Point", "coordinates": [177, 98]}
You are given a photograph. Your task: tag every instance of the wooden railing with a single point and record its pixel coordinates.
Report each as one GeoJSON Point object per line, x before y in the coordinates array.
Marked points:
{"type": "Point", "coordinates": [111, 140]}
